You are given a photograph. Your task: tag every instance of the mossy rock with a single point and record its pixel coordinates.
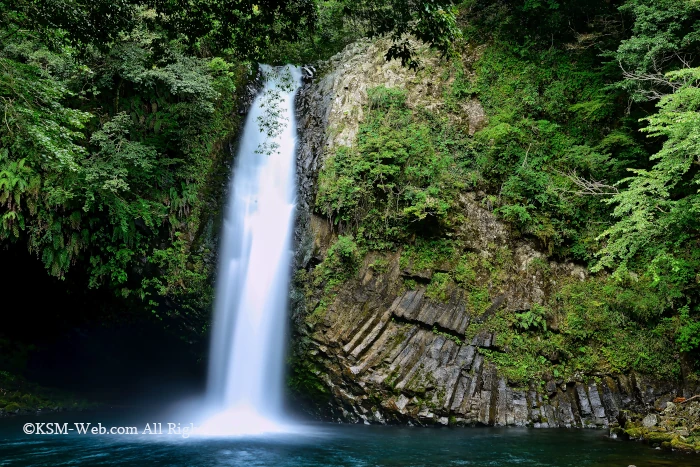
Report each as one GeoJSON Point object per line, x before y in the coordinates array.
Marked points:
{"type": "Point", "coordinates": [635, 433]}
{"type": "Point", "coordinates": [12, 407]}
{"type": "Point", "coordinates": [679, 445]}
{"type": "Point", "coordinates": [659, 437]}
{"type": "Point", "coordinates": [618, 431]}
{"type": "Point", "coordinates": [630, 424]}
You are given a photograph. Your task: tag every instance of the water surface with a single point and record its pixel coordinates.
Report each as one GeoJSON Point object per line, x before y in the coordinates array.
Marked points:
{"type": "Point", "coordinates": [326, 445]}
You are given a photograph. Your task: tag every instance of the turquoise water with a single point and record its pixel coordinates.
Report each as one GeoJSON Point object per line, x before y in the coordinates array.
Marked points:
{"type": "Point", "coordinates": [324, 445]}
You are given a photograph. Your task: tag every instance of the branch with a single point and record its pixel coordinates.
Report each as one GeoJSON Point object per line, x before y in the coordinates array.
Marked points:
{"type": "Point", "coordinates": [589, 187]}
{"type": "Point", "coordinates": [658, 76]}
{"type": "Point", "coordinates": [691, 398]}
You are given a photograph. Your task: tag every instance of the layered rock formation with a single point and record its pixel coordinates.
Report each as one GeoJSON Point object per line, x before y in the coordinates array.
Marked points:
{"type": "Point", "coordinates": [388, 355]}
{"type": "Point", "coordinates": [385, 352]}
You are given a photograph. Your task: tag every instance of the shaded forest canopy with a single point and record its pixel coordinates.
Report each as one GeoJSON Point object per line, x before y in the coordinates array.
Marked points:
{"type": "Point", "coordinates": [114, 117]}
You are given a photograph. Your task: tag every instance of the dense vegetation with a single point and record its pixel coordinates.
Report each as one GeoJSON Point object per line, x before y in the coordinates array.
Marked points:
{"type": "Point", "coordinates": [590, 150]}
{"type": "Point", "coordinates": [107, 148]}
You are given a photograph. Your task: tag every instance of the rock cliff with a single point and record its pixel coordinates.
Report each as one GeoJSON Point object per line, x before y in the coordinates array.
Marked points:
{"type": "Point", "coordinates": [388, 348]}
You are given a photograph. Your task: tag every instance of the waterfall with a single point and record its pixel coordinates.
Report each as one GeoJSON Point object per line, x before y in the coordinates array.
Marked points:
{"type": "Point", "coordinates": [246, 364]}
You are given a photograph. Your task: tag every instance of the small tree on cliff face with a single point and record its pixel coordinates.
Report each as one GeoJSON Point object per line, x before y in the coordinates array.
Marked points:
{"type": "Point", "coordinates": [431, 21]}
{"type": "Point", "coordinates": [343, 258]}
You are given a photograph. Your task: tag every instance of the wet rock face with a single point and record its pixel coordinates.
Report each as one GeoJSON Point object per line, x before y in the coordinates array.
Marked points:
{"type": "Point", "coordinates": [250, 92]}
{"type": "Point", "coordinates": [385, 353]}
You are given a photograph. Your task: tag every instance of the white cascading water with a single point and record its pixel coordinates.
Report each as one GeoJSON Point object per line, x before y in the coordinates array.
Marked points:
{"type": "Point", "coordinates": [246, 366]}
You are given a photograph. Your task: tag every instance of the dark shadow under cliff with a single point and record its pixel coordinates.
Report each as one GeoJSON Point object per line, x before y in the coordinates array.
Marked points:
{"type": "Point", "coordinates": [63, 335]}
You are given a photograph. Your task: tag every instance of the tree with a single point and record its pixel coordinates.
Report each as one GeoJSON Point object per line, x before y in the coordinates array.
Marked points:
{"type": "Point", "coordinates": [431, 21]}
{"type": "Point", "coordinates": [659, 211]}
{"type": "Point", "coordinates": [79, 22]}
{"type": "Point", "coordinates": [665, 36]}
{"type": "Point", "coordinates": [246, 27]}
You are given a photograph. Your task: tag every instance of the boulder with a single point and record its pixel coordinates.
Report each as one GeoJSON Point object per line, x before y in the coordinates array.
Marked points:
{"type": "Point", "coordinates": [650, 421]}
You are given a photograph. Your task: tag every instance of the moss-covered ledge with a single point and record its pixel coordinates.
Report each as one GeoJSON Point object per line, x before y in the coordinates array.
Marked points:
{"type": "Point", "coordinates": [677, 427]}
{"type": "Point", "coordinates": [19, 396]}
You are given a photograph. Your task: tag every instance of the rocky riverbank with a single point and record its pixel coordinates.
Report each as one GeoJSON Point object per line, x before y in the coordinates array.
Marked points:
{"type": "Point", "coordinates": [676, 427]}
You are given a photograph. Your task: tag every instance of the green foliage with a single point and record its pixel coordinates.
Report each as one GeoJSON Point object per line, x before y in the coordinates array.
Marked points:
{"type": "Point", "coordinates": [342, 258]}
{"type": "Point", "coordinates": [479, 300]}
{"type": "Point", "coordinates": [564, 155]}
{"type": "Point", "coordinates": [438, 288]}
{"type": "Point", "coordinates": [465, 273]}
{"type": "Point", "coordinates": [428, 254]}
{"type": "Point", "coordinates": [604, 315]}
{"type": "Point", "coordinates": [380, 265]}
{"type": "Point", "coordinates": [400, 178]}
{"type": "Point", "coordinates": [473, 269]}
{"type": "Point", "coordinates": [534, 318]}
{"type": "Point", "coordinates": [596, 330]}
{"type": "Point", "coordinates": [544, 24]}
{"type": "Point", "coordinates": [548, 111]}
{"type": "Point", "coordinates": [245, 28]}
{"type": "Point", "coordinates": [664, 37]}
{"type": "Point", "coordinates": [658, 211]}
{"type": "Point", "coordinates": [688, 332]}
{"type": "Point", "coordinates": [340, 264]}
{"type": "Point", "coordinates": [105, 158]}
{"type": "Point", "coordinates": [183, 276]}
{"type": "Point", "coordinates": [77, 22]}
{"type": "Point", "coordinates": [332, 31]}
{"type": "Point", "coordinates": [519, 367]}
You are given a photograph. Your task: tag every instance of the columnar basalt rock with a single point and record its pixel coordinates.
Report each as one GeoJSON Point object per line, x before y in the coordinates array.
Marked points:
{"type": "Point", "coordinates": [383, 363]}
